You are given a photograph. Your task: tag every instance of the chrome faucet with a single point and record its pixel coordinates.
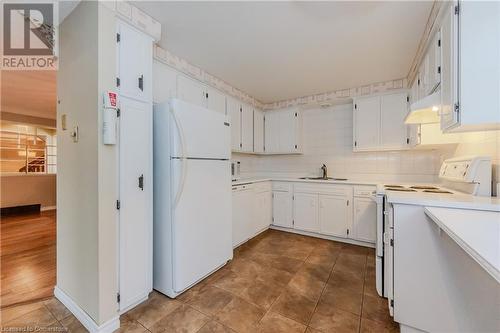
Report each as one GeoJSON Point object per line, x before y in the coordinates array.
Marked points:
{"type": "Point", "coordinates": [324, 169]}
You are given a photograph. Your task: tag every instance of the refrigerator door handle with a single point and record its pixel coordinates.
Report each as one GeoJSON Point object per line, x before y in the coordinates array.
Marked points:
{"type": "Point", "coordinates": [181, 157]}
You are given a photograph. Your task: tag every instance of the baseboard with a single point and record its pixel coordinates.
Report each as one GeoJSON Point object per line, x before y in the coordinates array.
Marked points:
{"type": "Point", "coordinates": [45, 208]}
{"type": "Point", "coordinates": [108, 327]}
{"type": "Point", "coordinates": [333, 238]}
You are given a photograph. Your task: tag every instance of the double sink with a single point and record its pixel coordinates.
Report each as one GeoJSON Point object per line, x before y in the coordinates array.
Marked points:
{"type": "Point", "coordinates": [322, 178]}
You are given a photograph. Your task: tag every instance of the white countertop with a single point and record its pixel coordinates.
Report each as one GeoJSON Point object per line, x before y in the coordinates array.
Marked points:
{"type": "Point", "coordinates": [298, 180]}
{"type": "Point", "coordinates": [476, 232]}
{"type": "Point", "coordinates": [455, 200]}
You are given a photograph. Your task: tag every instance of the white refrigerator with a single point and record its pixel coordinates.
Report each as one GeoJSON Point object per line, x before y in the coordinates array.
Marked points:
{"type": "Point", "coordinates": [192, 195]}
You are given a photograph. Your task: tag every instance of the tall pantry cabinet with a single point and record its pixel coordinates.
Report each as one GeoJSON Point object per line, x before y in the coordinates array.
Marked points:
{"type": "Point", "coordinates": [135, 149]}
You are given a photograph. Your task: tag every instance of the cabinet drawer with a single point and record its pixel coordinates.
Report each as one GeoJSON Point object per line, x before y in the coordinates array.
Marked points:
{"type": "Point", "coordinates": [282, 186]}
{"type": "Point", "coordinates": [331, 189]}
{"type": "Point", "coordinates": [242, 187]}
{"type": "Point", "coordinates": [364, 191]}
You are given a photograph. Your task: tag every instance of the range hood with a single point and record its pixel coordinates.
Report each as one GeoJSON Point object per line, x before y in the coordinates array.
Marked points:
{"type": "Point", "coordinates": [425, 110]}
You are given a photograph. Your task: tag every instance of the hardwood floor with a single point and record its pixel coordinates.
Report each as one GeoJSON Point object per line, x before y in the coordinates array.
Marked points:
{"type": "Point", "coordinates": [27, 257]}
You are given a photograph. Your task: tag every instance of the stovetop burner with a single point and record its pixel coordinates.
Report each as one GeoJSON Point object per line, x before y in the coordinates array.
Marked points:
{"type": "Point", "coordinates": [401, 189]}
{"type": "Point", "coordinates": [424, 187]}
{"type": "Point", "coordinates": [437, 191]}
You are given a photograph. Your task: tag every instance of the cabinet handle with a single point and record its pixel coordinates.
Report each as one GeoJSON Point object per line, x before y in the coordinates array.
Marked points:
{"type": "Point", "coordinates": [141, 82]}
{"type": "Point", "coordinates": [141, 182]}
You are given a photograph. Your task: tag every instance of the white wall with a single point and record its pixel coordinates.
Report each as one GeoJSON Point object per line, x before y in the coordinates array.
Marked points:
{"type": "Point", "coordinates": [19, 190]}
{"type": "Point", "coordinates": [87, 187]}
{"type": "Point", "coordinates": [327, 134]}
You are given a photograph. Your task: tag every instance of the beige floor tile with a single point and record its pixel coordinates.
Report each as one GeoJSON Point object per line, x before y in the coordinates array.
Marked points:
{"type": "Point", "coordinates": [307, 285]}
{"type": "Point", "coordinates": [321, 259]}
{"type": "Point", "coordinates": [11, 313]}
{"type": "Point", "coordinates": [234, 283]}
{"type": "Point", "coordinates": [246, 268]}
{"type": "Point", "coordinates": [336, 321]}
{"type": "Point", "coordinates": [312, 330]}
{"type": "Point", "coordinates": [354, 249]}
{"type": "Point", "coordinates": [240, 315]}
{"type": "Point", "coordinates": [261, 293]}
{"type": "Point", "coordinates": [72, 325]}
{"type": "Point", "coordinates": [318, 271]}
{"type": "Point", "coordinates": [215, 327]}
{"type": "Point", "coordinates": [276, 323]}
{"type": "Point", "coordinates": [371, 326]}
{"type": "Point", "coordinates": [40, 317]}
{"type": "Point", "coordinates": [130, 326]}
{"type": "Point", "coordinates": [375, 308]}
{"type": "Point", "coordinates": [344, 278]}
{"type": "Point", "coordinates": [153, 310]}
{"type": "Point", "coordinates": [211, 300]}
{"type": "Point", "coordinates": [339, 298]}
{"type": "Point", "coordinates": [294, 306]}
{"type": "Point", "coordinates": [184, 319]}
{"type": "Point", "coordinates": [351, 262]}
{"type": "Point", "coordinates": [58, 310]}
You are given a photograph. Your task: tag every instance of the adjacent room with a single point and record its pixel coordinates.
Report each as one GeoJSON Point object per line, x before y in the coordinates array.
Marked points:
{"type": "Point", "coordinates": [251, 166]}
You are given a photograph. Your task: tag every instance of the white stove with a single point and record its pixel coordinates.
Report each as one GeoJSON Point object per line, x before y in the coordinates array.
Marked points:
{"type": "Point", "coordinates": [459, 177]}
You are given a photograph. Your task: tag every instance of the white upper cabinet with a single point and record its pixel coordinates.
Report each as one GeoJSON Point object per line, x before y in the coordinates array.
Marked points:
{"type": "Point", "coordinates": [283, 131]}
{"type": "Point", "coordinates": [379, 122]}
{"type": "Point", "coordinates": [470, 42]}
{"type": "Point", "coordinates": [258, 131]}
{"type": "Point", "coordinates": [366, 123]}
{"type": "Point", "coordinates": [135, 51]}
{"type": "Point", "coordinates": [305, 212]}
{"type": "Point", "coordinates": [190, 91]}
{"type": "Point", "coordinates": [246, 128]}
{"type": "Point", "coordinates": [233, 110]}
{"type": "Point", "coordinates": [215, 100]}
{"type": "Point", "coordinates": [393, 130]}
{"type": "Point", "coordinates": [164, 82]}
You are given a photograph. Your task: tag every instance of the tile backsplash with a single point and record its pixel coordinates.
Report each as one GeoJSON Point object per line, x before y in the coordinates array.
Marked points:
{"type": "Point", "coordinates": [327, 138]}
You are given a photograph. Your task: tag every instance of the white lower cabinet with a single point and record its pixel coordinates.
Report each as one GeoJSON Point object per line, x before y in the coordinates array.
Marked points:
{"type": "Point", "coordinates": [263, 208]}
{"type": "Point", "coordinates": [333, 215]}
{"type": "Point", "coordinates": [305, 212]}
{"type": "Point", "coordinates": [364, 220]}
{"type": "Point", "coordinates": [282, 204]}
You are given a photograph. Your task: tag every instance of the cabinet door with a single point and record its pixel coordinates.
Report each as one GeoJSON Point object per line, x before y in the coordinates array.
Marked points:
{"type": "Point", "coordinates": [433, 76]}
{"type": "Point", "coordinates": [288, 130]}
{"type": "Point", "coordinates": [367, 123]}
{"type": "Point", "coordinates": [449, 69]}
{"type": "Point", "coordinates": [135, 51]}
{"type": "Point", "coordinates": [190, 91]}
{"type": "Point", "coordinates": [263, 211]}
{"type": "Point", "coordinates": [243, 208]}
{"type": "Point", "coordinates": [233, 110]}
{"type": "Point", "coordinates": [282, 209]}
{"type": "Point", "coordinates": [305, 212]}
{"type": "Point", "coordinates": [393, 130]}
{"type": "Point", "coordinates": [164, 82]}
{"type": "Point", "coordinates": [246, 128]}
{"type": "Point", "coordinates": [333, 215]}
{"type": "Point", "coordinates": [216, 100]}
{"type": "Point", "coordinates": [272, 132]}
{"type": "Point", "coordinates": [365, 220]}
{"type": "Point", "coordinates": [135, 214]}
{"type": "Point", "coordinates": [258, 131]}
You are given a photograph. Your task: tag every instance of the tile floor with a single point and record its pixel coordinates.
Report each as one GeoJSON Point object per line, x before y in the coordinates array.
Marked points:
{"type": "Point", "coordinates": [277, 282]}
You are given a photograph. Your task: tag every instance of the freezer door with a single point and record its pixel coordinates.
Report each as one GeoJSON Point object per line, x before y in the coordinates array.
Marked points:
{"type": "Point", "coordinates": [201, 228]}
{"type": "Point", "coordinates": [199, 132]}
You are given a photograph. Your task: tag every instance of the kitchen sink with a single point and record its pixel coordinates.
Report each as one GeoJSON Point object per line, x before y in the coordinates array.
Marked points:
{"type": "Point", "coordinates": [321, 178]}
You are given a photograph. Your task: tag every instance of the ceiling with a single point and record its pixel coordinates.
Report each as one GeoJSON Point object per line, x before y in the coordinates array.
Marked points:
{"type": "Point", "coordinates": [282, 50]}
{"type": "Point", "coordinates": [29, 93]}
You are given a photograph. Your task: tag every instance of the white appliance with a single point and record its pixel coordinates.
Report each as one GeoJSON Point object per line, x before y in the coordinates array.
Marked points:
{"type": "Point", "coordinates": [192, 195]}
{"type": "Point", "coordinates": [461, 175]}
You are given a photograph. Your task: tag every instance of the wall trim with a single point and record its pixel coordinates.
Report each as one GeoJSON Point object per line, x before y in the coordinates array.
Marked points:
{"type": "Point", "coordinates": [332, 238]}
{"type": "Point", "coordinates": [108, 327]}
